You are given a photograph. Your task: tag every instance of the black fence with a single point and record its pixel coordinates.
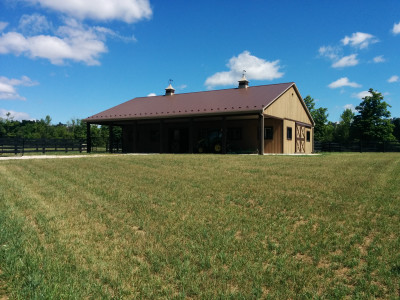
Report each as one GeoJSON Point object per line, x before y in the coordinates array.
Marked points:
{"type": "Point", "coordinates": [100, 145]}
{"type": "Point", "coordinates": [22, 145]}
{"type": "Point", "coordinates": [361, 146]}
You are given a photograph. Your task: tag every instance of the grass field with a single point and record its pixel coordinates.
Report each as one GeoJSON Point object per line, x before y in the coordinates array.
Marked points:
{"type": "Point", "coordinates": [201, 227]}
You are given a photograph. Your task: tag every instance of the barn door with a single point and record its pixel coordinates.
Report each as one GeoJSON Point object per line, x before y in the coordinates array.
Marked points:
{"type": "Point", "coordinates": [300, 139]}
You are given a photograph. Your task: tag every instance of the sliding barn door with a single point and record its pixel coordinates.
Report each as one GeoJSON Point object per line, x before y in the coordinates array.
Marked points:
{"type": "Point", "coordinates": [300, 139]}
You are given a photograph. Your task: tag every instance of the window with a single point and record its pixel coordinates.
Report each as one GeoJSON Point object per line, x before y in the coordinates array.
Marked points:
{"type": "Point", "coordinates": [308, 135]}
{"type": "Point", "coordinates": [289, 133]}
{"type": "Point", "coordinates": [268, 133]}
{"type": "Point", "coordinates": [235, 134]}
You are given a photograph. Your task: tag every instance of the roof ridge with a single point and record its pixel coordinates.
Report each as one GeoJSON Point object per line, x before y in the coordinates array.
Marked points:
{"type": "Point", "coordinates": [250, 87]}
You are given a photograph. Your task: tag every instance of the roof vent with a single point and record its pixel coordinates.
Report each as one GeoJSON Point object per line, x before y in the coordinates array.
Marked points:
{"type": "Point", "coordinates": [243, 83]}
{"type": "Point", "coordinates": [169, 91]}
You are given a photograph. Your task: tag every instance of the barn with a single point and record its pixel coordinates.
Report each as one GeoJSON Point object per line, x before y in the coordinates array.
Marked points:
{"type": "Point", "coordinates": [247, 119]}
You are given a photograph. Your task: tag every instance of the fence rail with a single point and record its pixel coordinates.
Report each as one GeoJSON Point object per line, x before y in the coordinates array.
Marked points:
{"type": "Point", "coordinates": [362, 146]}
{"type": "Point", "coordinates": [22, 145]}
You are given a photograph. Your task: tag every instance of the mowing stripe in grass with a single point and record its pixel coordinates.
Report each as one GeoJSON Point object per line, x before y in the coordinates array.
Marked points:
{"type": "Point", "coordinates": [201, 226]}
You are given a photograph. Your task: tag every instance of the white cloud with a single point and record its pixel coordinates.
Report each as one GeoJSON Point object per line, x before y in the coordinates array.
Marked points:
{"type": "Point", "coordinates": [18, 116]}
{"type": "Point", "coordinates": [115, 35]}
{"type": "Point", "coordinates": [394, 78]}
{"type": "Point", "coordinates": [362, 95]}
{"type": "Point", "coordinates": [256, 68]}
{"type": "Point", "coordinates": [350, 106]}
{"type": "Point", "coordinates": [7, 87]}
{"type": "Point", "coordinates": [379, 59]}
{"type": "Point", "coordinates": [74, 41]}
{"type": "Point", "coordinates": [24, 81]}
{"type": "Point", "coordinates": [396, 28]}
{"type": "Point", "coordinates": [341, 82]}
{"type": "Point", "coordinates": [105, 10]}
{"type": "Point", "coordinates": [3, 25]}
{"type": "Point", "coordinates": [346, 61]}
{"type": "Point", "coordinates": [151, 95]}
{"type": "Point", "coordinates": [359, 40]}
{"type": "Point", "coordinates": [329, 52]}
{"type": "Point", "coordinates": [33, 23]}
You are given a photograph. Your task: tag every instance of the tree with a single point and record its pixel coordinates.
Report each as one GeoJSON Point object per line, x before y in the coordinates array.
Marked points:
{"type": "Point", "coordinates": [309, 103]}
{"type": "Point", "coordinates": [322, 132]}
{"type": "Point", "coordinates": [2, 128]}
{"type": "Point", "coordinates": [77, 128]}
{"type": "Point", "coordinates": [373, 120]}
{"type": "Point", "coordinates": [342, 132]}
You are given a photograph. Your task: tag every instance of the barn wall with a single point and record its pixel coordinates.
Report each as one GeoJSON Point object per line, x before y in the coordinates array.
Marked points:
{"type": "Point", "coordinates": [289, 106]}
{"type": "Point", "coordinates": [248, 141]}
{"type": "Point", "coordinates": [274, 145]}
{"type": "Point", "coordinates": [147, 135]}
{"type": "Point", "coordinates": [127, 144]}
{"type": "Point", "coordinates": [289, 145]}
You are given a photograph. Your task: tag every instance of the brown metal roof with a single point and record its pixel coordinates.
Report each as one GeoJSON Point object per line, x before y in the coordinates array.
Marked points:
{"type": "Point", "coordinates": [251, 99]}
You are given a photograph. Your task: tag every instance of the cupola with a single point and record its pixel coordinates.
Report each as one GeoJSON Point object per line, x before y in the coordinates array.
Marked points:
{"type": "Point", "coordinates": [243, 83]}
{"type": "Point", "coordinates": [169, 91]}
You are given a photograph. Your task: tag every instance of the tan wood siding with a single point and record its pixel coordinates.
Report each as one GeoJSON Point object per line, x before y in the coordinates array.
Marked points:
{"type": "Point", "coordinates": [288, 145]}
{"type": "Point", "coordinates": [309, 144]}
{"type": "Point", "coordinates": [274, 145]}
{"type": "Point", "coordinates": [289, 106]}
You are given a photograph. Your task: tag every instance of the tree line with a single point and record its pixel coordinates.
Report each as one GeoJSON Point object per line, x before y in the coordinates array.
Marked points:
{"type": "Point", "coordinates": [371, 122]}
{"type": "Point", "coordinates": [44, 129]}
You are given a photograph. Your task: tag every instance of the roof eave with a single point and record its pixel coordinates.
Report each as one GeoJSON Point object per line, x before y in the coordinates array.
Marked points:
{"type": "Point", "coordinates": [157, 117]}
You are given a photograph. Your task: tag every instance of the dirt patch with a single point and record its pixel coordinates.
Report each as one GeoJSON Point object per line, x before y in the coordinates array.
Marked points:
{"type": "Point", "coordinates": [323, 264]}
{"type": "Point", "coordinates": [337, 252]}
{"type": "Point", "coordinates": [138, 230]}
{"type": "Point", "coordinates": [365, 245]}
{"type": "Point", "coordinates": [304, 258]}
{"type": "Point", "coordinates": [238, 235]}
{"type": "Point", "coordinates": [299, 223]}
{"type": "Point", "coordinates": [342, 272]}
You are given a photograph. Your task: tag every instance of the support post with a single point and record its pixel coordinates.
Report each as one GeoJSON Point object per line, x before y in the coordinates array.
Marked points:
{"type": "Point", "coordinates": [134, 133]}
{"type": "Point", "coordinates": [261, 125]}
{"type": "Point", "coordinates": [161, 136]}
{"type": "Point", "coordinates": [191, 133]}
{"type": "Point", "coordinates": [313, 140]}
{"type": "Point", "coordinates": [223, 135]}
{"type": "Point", "coordinates": [111, 138]}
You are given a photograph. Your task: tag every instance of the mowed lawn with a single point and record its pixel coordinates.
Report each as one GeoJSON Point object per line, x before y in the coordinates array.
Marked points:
{"type": "Point", "coordinates": [201, 227]}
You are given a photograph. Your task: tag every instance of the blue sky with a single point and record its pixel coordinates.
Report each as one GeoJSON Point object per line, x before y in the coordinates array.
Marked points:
{"type": "Point", "coordinates": [72, 59]}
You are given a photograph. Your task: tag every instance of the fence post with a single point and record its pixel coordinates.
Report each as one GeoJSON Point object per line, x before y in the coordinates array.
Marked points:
{"type": "Point", "coordinates": [23, 146]}
{"type": "Point", "coordinates": [44, 146]}
{"type": "Point", "coordinates": [15, 146]}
